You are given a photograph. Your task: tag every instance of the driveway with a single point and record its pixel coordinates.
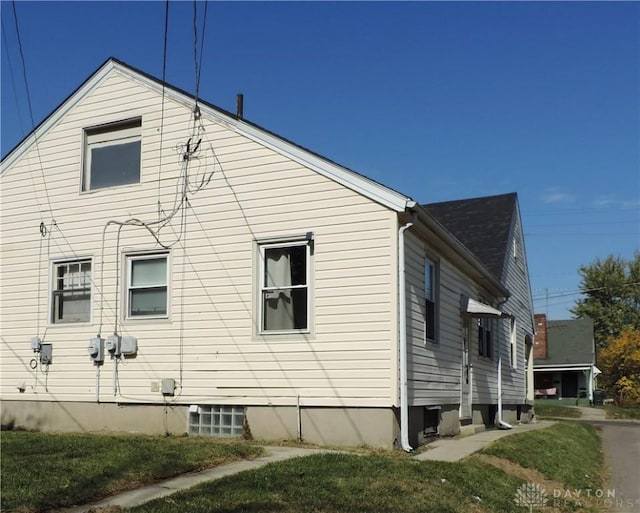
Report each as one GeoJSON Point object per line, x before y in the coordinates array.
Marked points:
{"type": "Point", "coordinates": [621, 447]}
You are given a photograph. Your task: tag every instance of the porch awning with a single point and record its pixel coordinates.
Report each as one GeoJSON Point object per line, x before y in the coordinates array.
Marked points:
{"type": "Point", "coordinates": [473, 308]}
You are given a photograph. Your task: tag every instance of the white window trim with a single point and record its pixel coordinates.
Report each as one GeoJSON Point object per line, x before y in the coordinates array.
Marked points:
{"type": "Point", "coordinates": [53, 263]}
{"type": "Point", "coordinates": [436, 299]}
{"type": "Point", "coordinates": [513, 341]}
{"type": "Point", "coordinates": [128, 130]}
{"type": "Point", "coordinates": [487, 325]}
{"type": "Point", "coordinates": [283, 243]}
{"type": "Point", "coordinates": [131, 257]}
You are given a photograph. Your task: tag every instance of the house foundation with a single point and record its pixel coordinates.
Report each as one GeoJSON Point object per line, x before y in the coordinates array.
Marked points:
{"type": "Point", "coordinates": [374, 427]}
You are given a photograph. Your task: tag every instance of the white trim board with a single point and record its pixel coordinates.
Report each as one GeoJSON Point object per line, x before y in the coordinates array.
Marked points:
{"type": "Point", "coordinates": [354, 181]}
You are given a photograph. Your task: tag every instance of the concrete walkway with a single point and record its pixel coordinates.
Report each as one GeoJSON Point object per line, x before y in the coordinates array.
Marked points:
{"type": "Point", "coordinates": [162, 489]}
{"type": "Point", "coordinates": [589, 414]}
{"type": "Point", "coordinates": [454, 449]}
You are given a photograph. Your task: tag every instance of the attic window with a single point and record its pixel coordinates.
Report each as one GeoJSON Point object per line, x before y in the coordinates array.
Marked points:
{"type": "Point", "coordinates": [112, 155]}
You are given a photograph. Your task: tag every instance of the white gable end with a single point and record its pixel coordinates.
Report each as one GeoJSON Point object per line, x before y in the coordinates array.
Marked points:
{"type": "Point", "coordinates": [354, 181]}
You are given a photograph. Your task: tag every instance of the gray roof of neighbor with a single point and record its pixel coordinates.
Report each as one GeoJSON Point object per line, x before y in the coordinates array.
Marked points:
{"type": "Point", "coordinates": [481, 224]}
{"type": "Point", "coordinates": [569, 341]}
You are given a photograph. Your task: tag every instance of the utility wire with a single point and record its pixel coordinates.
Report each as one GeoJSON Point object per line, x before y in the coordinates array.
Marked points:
{"type": "Point", "coordinates": [164, 76]}
{"type": "Point", "coordinates": [11, 74]}
{"type": "Point", "coordinates": [198, 62]}
{"type": "Point", "coordinates": [33, 124]}
{"type": "Point", "coordinates": [583, 291]}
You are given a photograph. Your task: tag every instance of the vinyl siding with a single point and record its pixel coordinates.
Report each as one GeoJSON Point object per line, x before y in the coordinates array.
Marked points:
{"type": "Point", "coordinates": [516, 279]}
{"type": "Point", "coordinates": [209, 344]}
{"type": "Point", "coordinates": [435, 368]}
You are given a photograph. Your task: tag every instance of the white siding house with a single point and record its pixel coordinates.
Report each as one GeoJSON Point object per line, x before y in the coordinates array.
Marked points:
{"type": "Point", "coordinates": [182, 270]}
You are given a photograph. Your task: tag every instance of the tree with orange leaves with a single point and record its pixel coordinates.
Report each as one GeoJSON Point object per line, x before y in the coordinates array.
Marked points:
{"type": "Point", "coordinates": [620, 365]}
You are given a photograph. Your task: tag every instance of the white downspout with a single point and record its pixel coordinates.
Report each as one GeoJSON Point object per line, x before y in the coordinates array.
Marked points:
{"type": "Point", "coordinates": [501, 423]}
{"type": "Point", "coordinates": [402, 309]}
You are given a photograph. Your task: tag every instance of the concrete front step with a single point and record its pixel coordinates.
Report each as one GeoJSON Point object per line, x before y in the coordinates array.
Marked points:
{"type": "Point", "coordinates": [472, 429]}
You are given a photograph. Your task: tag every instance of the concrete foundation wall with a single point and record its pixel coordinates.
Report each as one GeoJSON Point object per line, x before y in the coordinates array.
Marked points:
{"type": "Point", "coordinates": [448, 423]}
{"type": "Point", "coordinates": [449, 420]}
{"type": "Point", "coordinates": [374, 427]}
{"type": "Point", "coordinates": [94, 417]}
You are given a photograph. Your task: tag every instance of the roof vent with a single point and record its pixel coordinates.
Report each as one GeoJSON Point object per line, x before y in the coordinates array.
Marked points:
{"type": "Point", "coordinates": [239, 105]}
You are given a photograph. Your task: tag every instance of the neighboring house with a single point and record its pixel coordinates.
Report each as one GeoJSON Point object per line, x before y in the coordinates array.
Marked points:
{"type": "Point", "coordinates": [180, 269]}
{"type": "Point", "coordinates": [564, 359]}
{"type": "Point", "coordinates": [491, 227]}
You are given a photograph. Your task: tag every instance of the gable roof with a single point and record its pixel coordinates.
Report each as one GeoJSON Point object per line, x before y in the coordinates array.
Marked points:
{"type": "Point", "coordinates": [347, 177]}
{"type": "Point", "coordinates": [569, 342]}
{"type": "Point", "coordinates": [482, 224]}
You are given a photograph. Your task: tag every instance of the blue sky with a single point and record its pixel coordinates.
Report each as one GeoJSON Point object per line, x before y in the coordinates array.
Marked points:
{"type": "Point", "coordinates": [439, 100]}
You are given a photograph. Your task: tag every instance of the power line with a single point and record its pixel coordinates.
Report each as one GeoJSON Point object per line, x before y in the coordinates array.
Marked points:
{"type": "Point", "coordinates": [583, 291]}
{"type": "Point", "coordinates": [198, 63]}
{"type": "Point", "coordinates": [33, 124]}
{"type": "Point", "coordinates": [11, 74]}
{"type": "Point", "coordinates": [164, 76]}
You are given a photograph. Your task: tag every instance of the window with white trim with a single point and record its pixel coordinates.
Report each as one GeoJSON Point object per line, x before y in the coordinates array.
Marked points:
{"type": "Point", "coordinates": [430, 301]}
{"type": "Point", "coordinates": [112, 155]}
{"type": "Point", "coordinates": [71, 292]}
{"type": "Point", "coordinates": [485, 342]}
{"type": "Point", "coordinates": [513, 340]}
{"type": "Point", "coordinates": [284, 287]}
{"type": "Point", "coordinates": [147, 285]}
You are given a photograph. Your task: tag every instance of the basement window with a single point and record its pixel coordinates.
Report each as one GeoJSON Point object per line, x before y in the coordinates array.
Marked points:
{"type": "Point", "coordinates": [112, 155]}
{"type": "Point", "coordinates": [227, 421]}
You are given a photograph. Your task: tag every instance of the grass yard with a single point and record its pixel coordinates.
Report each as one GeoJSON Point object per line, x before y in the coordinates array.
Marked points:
{"type": "Point", "coordinates": [350, 483]}
{"type": "Point", "coordinates": [556, 410]}
{"type": "Point", "coordinates": [616, 412]}
{"type": "Point", "coordinates": [566, 452]}
{"type": "Point", "coordinates": [376, 483]}
{"type": "Point", "coordinates": [43, 471]}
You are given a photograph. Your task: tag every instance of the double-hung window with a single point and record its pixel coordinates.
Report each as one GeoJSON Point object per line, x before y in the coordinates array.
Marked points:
{"type": "Point", "coordinates": [112, 155]}
{"type": "Point", "coordinates": [147, 289]}
{"type": "Point", "coordinates": [284, 287]}
{"type": "Point", "coordinates": [513, 340]}
{"type": "Point", "coordinates": [430, 301]}
{"type": "Point", "coordinates": [71, 292]}
{"type": "Point", "coordinates": [485, 342]}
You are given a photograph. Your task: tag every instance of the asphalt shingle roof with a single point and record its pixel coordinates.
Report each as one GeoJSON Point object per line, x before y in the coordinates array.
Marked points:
{"type": "Point", "coordinates": [481, 224]}
{"type": "Point", "coordinates": [569, 341]}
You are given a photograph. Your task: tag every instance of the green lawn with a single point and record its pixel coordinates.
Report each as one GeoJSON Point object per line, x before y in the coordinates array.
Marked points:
{"type": "Point", "coordinates": [616, 412]}
{"type": "Point", "coordinates": [42, 471]}
{"type": "Point", "coordinates": [554, 410]}
{"type": "Point", "coordinates": [377, 483]}
{"type": "Point", "coordinates": [565, 452]}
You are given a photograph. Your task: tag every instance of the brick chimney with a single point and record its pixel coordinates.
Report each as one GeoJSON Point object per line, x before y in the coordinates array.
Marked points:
{"type": "Point", "coordinates": [540, 341]}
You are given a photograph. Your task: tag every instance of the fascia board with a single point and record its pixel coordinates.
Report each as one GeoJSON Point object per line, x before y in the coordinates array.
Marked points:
{"type": "Point", "coordinates": [358, 183]}
{"type": "Point", "coordinates": [563, 367]}
{"type": "Point", "coordinates": [94, 81]}
{"type": "Point", "coordinates": [368, 188]}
